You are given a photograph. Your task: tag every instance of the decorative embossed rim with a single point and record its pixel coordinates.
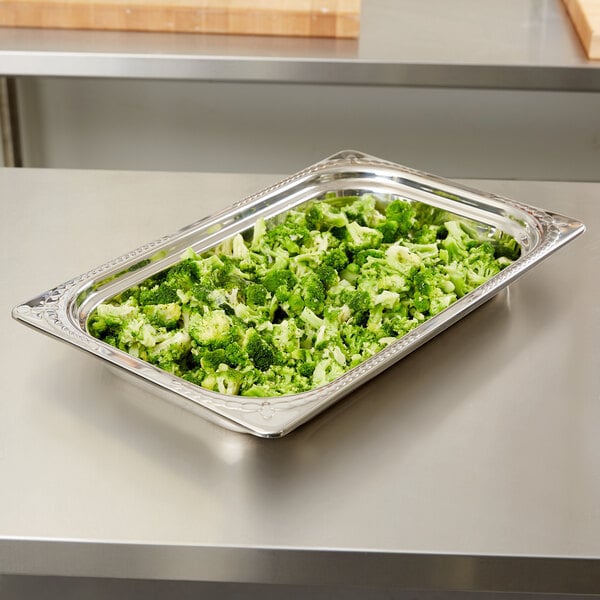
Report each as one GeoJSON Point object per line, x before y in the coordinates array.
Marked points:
{"type": "Point", "coordinates": [57, 311]}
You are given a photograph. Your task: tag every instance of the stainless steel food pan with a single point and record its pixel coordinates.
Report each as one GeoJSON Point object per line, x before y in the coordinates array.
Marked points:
{"type": "Point", "coordinates": [63, 311]}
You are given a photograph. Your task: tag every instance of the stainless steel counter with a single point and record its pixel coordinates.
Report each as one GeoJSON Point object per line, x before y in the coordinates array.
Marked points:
{"type": "Point", "coordinates": [529, 44]}
{"type": "Point", "coordinates": [473, 464]}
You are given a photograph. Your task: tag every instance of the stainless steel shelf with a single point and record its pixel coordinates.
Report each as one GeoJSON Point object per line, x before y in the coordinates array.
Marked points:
{"type": "Point", "coordinates": [506, 45]}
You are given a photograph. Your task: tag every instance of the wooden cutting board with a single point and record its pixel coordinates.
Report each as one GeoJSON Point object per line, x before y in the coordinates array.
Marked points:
{"type": "Point", "coordinates": [585, 15]}
{"type": "Point", "coordinates": [315, 18]}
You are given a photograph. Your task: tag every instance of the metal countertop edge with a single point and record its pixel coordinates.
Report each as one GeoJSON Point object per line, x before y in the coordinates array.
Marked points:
{"type": "Point", "coordinates": [363, 568]}
{"type": "Point", "coordinates": [299, 70]}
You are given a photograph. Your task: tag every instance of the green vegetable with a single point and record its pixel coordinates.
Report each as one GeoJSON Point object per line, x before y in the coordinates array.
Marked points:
{"type": "Point", "coordinates": [304, 298]}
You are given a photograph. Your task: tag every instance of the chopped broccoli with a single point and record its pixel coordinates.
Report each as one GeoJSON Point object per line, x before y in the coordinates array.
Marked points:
{"type": "Point", "coordinates": [313, 292]}
{"type": "Point", "coordinates": [458, 242]}
{"type": "Point", "coordinates": [361, 238]}
{"type": "Point", "coordinates": [286, 336]}
{"type": "Point", "coordinates": [302, 299]}
{"type": "Point", "coordinates": [163, 315]}
{"type": "Point", "coordinates": [256, 294]}
{"type": "Point", "coordinates": [403, 213]}
{"type": "Point", "coordinates": [328, 275]}
{"type": "Point", "coordinates": [224, 380]}
{"type": "Point", "coordinates": [171, 350]}
{"type": "Point", "coordinates": [108, 316]}
{"type": "Point", "coordinates": [162, 293]}
{"type": "Point", "coordinates": [336, 258]}
{"type": "Point", "coordinates": [364, 211]}
{"type": "Point", "coordinates": [362, 256]}
{"type": "Point", "coordinates": [389, 230]}
{"type": "Point", "coordinates": [210, 329]}
{"type": "Point", "coordinates": [201, 292]}
{"type": "Point", "coordinates": [182, 276]}
{"type": "Point", "coordinates": [359, 303]}
{"type": "Point", "coordinates": [287, 236]}
{"type": "Point", "coordinates": [279, 278]}
{"type": "Point", "coordinates": [235, 356]}
{"type": "Point", "coordinates": [261, 353]}
{"type": "Point", "coordinates": [324, 216]}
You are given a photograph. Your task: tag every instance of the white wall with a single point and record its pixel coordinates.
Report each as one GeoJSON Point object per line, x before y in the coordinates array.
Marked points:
{"type": "Point", "coordinates": [277, 128]}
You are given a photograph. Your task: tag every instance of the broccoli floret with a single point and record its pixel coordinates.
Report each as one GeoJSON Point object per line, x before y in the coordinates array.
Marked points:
{"type": "Point", "coordinates": [258, 234]}
{"type": "Point", "coordinates": [399, 325]}
{"type": "Point", "coordinates": [311, 319]}
{"type": "Point", "coordinates": [276, 279]}
{"type": "Point", "coordinates": [289, 236]}
{"type": "Point", "coordinates": [210, 329]}
{"type": "Point", "coordinates": [328, 275]}
{"type": "Point", "coordinates": [324, 216]}
{"type": "Point", "coordinates": [313, 292]}
{"type": "Point", "coordinates": [482, 264]}
{"type": "Point", "coordinates": [387, 299]}
{"type": "Point", "coordinates": [360, 238]}
{"type": "Point", "coordinates": [359, 304]}
{"type": "Point", "coordinates": [364, 211]}
{"type": "Point", "coordinates": [362, 256]}
{"type": "Point", "coordinates": [256, 294]}
{"type": "Point", "coordinates": [225, 381]}
{"type": "Point", "coordinates": [108, 316]}
{"type": "Point", "coordinates": [432, 291]}
{"type": "Point", "coordinates": [441, 302]}
{"type": "Point", "coordinates": [286, 337]}
{"type": "Point", "coordinates": [389, 230]}
{"type": "Point", "coordinates": [228, 277]}
{"type": "Point", "coordinates": [138, 331]}
{"type": "Point", "coordinates": [232, 355]}
{"type": "Point", "coordinates": [196, 376]}
{"type": "Point", "coordinates": [423, 250]}
{"type": "Point", "coordinates": [422, 291]}
{"type": "Point", "coordinates": [403, 213]}
{"type": "Point", "coordinates": [213, 359]}
{"type": "Point", "coordinates": [261, 353]}
{"type": "Point", "coordinates": [163, 315]}
{"type": "Point", "coordinates": [458, 242]}
{"type": "Point", "coordinates": [306, 369]}
{"type": "Point", "coordinates": [428, 234]}
{"type": "Point", "coordinates": [239, 249]}
{"type": "Point", "coordinates": [277, 381]}
{"type": "Point", "coordinates": [294, 304]}
{"type": "Point", "coordinates": [402, 259]}
{"type": "Point", "coordinates": [182, 276]}
{"type": "Point", "coordinates": [336, 258]}
{"type": "Point", "coordinates": [339, 233]}
{"type": "Point", "coordinates": [326, 370]}
{"type": "Point", "coordinates": [351, 273]}
{"type": "Point", "coordinates": [201, 292]}
{"type": "Point", "coordinates": [162, 293]}
{"type": "Point", "coordinates": [171, 350]}
{"type": "Point", "coordinates": [235, 356]}
{"type": "Point", "coordinates": [457, 275]}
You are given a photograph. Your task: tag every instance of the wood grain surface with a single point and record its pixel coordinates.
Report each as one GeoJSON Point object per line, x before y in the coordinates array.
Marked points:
{"type": "Point", "coordinates": [585, 15]}
{"type": "Point", "coordinates": [312, 18]}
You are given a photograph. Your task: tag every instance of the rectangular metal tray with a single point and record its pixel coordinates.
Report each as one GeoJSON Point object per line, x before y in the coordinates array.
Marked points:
{"type": "Point", "coordinates": [63, 311]}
